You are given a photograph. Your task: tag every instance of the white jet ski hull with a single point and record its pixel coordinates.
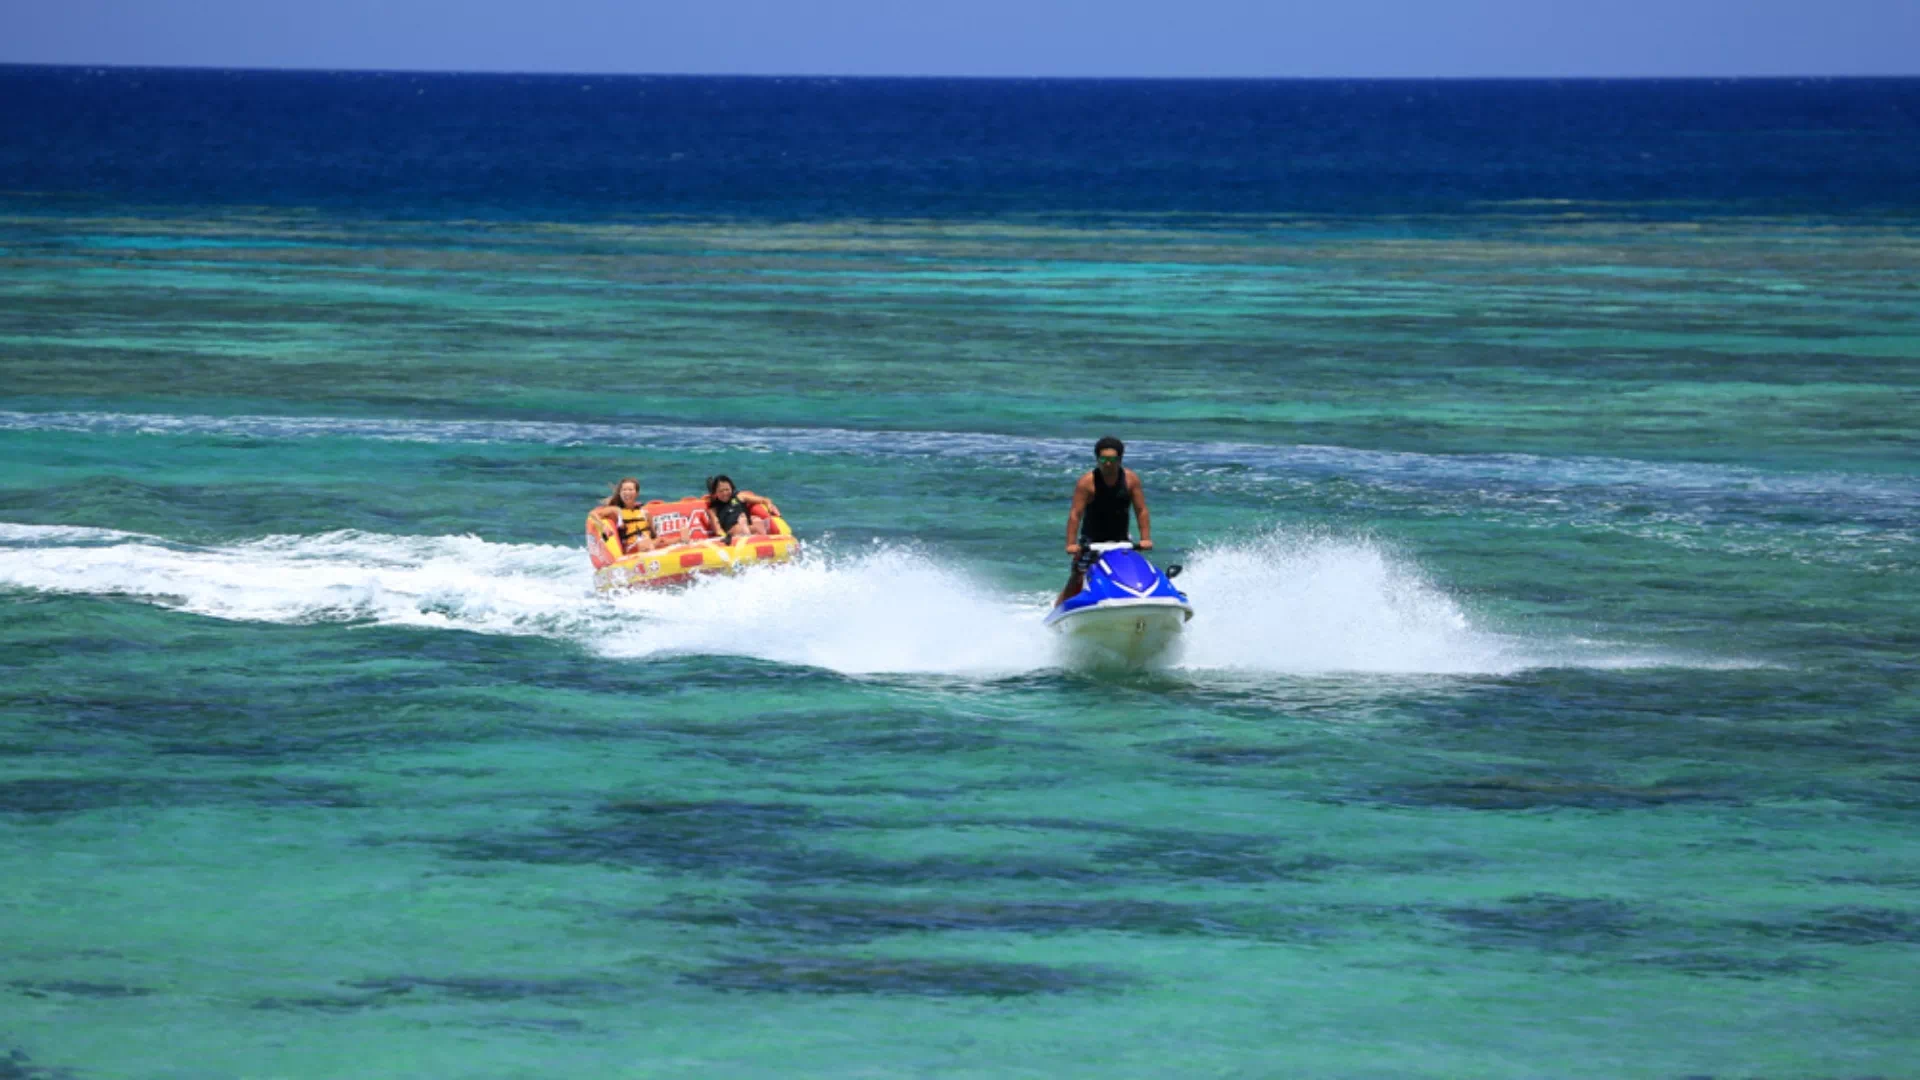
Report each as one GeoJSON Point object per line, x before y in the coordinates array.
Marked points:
{"type": "Point", "coordinates": [1122, 633]}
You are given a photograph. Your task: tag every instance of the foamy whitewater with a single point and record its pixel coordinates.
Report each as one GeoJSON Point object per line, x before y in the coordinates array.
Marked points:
{"type": "Point", "coordinates": [1278, 604]}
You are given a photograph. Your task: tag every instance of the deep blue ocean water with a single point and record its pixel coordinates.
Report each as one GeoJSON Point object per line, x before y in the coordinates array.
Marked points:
{"type": "Point", "coordinates": [594, 147]}
{"type": "Point", "coordinates": [1542, 456]}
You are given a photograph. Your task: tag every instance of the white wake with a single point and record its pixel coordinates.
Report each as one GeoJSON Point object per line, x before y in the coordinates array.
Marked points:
{"type": "Point", "coordinates": [1275, 604]}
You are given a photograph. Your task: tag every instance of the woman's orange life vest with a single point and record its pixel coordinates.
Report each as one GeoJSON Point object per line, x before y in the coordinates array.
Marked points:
{"type": "Point", "coordinates": [633, 523]}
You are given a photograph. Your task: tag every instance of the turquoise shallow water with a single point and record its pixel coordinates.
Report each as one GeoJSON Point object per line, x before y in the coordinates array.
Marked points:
{"type": "Point", "coordinates": [1550, 709]}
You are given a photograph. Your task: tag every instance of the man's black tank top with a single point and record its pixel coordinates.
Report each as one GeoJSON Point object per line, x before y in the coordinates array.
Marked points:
{"type": "Point", "coordinates": [1106, 518]}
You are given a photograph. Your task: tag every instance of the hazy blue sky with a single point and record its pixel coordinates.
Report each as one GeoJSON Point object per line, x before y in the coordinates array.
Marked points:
{"type": "Point", "coordinates": [985, 37]}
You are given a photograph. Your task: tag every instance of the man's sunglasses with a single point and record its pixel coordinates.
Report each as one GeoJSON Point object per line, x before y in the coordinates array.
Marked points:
{"type": "Point", "coordinates": [1109, 459]}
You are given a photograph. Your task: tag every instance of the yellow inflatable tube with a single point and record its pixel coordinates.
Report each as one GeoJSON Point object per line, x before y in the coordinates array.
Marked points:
{"type": "Point", "coordinates": [701, 554]}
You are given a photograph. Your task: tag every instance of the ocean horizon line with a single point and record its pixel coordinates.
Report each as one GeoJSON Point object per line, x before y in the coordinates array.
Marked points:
{"type": "Point", "coordinates": [877, 77]}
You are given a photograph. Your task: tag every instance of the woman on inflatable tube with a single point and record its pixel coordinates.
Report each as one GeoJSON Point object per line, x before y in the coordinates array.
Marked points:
{"type": "Point", "coordinates": [621, 514]}
{"type": "Point", "coordinates": [730, 511]}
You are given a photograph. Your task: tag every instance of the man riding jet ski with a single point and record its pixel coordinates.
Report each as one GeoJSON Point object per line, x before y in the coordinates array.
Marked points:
{"type": "Point", "coordinates": [1117, 606]}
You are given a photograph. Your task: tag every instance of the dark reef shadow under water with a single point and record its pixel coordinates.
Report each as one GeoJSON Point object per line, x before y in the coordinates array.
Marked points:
{"type": "Point", "coordinates": [16, 1065]}
{"type": "Point", "coordinates": [814, 974]}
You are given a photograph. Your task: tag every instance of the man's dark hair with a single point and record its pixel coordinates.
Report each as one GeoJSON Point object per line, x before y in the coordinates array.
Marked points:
{"type": "Point", "coordinates": [1108, 442]}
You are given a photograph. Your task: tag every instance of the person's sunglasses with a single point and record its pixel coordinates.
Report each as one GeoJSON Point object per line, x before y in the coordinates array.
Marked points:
{"type": "Point", "coordinates": [1109, 459]}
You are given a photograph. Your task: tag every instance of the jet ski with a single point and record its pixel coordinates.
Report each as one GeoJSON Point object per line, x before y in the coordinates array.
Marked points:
{"type": "Point", "coordinates": [1128, 614]}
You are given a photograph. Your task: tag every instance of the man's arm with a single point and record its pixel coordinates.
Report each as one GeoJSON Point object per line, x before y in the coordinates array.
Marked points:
{"type": "Point", "coordinates": [1082, 492]}
{"type": "Point", "coordinates": [1140, 510]}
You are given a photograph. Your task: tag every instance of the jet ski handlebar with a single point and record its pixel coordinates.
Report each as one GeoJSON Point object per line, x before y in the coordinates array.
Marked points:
{"type": "Point", "coordinates": [1172, 571]}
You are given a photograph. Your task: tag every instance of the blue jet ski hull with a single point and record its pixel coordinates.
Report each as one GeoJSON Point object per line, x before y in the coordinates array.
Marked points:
{"type": "Point", "coordinates": [1128, 615]}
